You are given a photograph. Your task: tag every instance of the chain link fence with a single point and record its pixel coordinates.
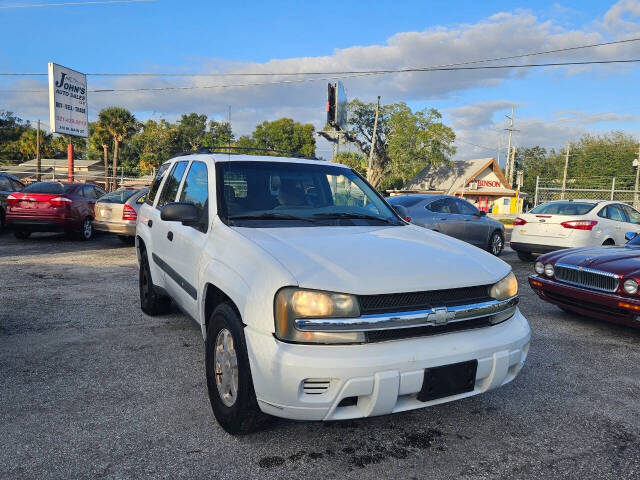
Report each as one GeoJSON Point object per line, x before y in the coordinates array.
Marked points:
{"type": "Point", "coordinates": [27, 177]}
{"type": "Point", "coordinates": [621, 189]}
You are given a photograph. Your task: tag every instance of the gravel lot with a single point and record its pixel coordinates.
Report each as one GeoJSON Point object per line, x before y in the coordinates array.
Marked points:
{"type": "Point", "coordinates": [92, 388]}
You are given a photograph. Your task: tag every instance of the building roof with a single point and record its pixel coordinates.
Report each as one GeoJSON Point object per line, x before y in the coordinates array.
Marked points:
{"type": "Point", "coordinates": [60, 162]}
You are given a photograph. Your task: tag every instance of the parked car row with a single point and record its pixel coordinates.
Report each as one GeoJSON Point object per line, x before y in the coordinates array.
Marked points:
{"type": "Point", "coordinates": [75, 208]}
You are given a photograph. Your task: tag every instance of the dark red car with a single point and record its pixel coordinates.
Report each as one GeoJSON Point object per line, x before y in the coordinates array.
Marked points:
{"type": "Point", "coordinates": [599, 282]}
{"type": "Point", "coordinates": [53, 207]}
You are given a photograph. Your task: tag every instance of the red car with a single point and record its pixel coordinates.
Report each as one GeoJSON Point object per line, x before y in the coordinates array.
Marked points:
{"type": "Point", "coordinates": [53, 207]}
{"type": "Point", "coordinates": [600, 282]}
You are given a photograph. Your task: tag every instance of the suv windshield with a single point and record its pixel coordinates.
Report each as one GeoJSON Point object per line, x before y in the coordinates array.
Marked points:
{"type": "Point", "coordinates": [118, 196]}
{"type": "Point", "coordinates": [49, 187]}
{"type": "Point", "coordinates": [284, 194]}
{"type": "Point", "coordinates": [564, 208]}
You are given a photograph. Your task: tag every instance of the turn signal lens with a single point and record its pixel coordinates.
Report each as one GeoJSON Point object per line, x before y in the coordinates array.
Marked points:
{"type": "Point", "coordinates": [580, 224]}
{"type": "Point", "coordinates": [539, 268]}
{"type": "Point", "coordinates": [629, 306]}
{"type": "Point", "coordinates": [519, 221]}
{"type": "Point", "coordinates": [630, 286]}
{"type": "Point", "coordinates": [549, 270]}
{"type": "Point", "coordinates": [505, 288]}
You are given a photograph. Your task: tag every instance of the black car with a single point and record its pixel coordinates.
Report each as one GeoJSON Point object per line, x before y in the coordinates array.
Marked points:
{"type": "Point", "coordinates": [8, 185]}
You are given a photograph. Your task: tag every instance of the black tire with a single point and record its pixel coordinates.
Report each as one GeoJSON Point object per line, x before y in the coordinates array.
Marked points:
{"type": "Point", "coordinates": [244, 415]}
{"type": "Point", "coordinates": [21, 234]}
{"type": "Point", "coordinates": [526, 256]}
{"type": "Point", "coordinates": [2, 221]}
{"type": "Point", "coordinates": [86, 229]}
{"type": "Point", "coordinates": [127, 239]}
{"type": "Point", "coordinates": [151, 302]}
{"type": "Point", "coordinates": [608, 242]}
{"type": "Point", "coordinates": [496, 243]}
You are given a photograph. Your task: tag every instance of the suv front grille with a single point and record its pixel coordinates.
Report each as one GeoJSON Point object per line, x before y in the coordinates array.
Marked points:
{"type": "Point", "coordinates": [404, 302]}
{"type": "Point", "coordinates": [586, 277]}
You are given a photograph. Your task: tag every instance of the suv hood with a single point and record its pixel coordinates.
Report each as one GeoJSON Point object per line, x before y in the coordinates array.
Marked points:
{"type": "Point", "coordinates": [374, 260]}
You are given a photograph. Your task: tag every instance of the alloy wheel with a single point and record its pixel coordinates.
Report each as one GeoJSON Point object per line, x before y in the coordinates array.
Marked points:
{"type": "Point", "coordinates": [226, 367]}
{"type": "Point", "coordinates": [496, 244]}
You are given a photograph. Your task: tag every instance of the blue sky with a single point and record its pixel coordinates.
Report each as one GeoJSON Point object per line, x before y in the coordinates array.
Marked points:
{"type": "Point", "coordinates": [552, 105]}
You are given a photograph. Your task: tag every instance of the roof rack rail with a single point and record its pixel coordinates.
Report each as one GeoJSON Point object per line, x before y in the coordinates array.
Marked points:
{"type": "Point", "coordinates": [239, 150]}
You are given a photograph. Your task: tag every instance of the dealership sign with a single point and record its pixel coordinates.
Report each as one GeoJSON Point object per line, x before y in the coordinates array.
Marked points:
{"type": "Point", "coordinates": [68, 101]}
{"type": "Point", "coordinates": [488, 183]}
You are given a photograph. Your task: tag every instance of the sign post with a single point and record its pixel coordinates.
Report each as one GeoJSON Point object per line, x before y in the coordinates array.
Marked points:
{"type": "Point", "coordinates": [68, 112]}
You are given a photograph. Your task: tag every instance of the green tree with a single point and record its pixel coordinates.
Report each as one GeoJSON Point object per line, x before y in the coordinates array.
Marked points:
{"type": "Point", "coordinates": [121, 125]}
{"type": "Point", "coordinates": [11, 128]}
{"type": "Point", "coordinates": [99, 139]}
{"type": "Point", "coordinates": [218, 134]}
{"type": "Point", "coordinates": [355, 160]}
{"type": "Point", "coordinates": [192, 129]}
{"type": "Point", "coordinates": [155, 144]}
{"type": "Point", "coordinates": [405, 143]}
{"type": "Point", "coordinates": [286, 135]}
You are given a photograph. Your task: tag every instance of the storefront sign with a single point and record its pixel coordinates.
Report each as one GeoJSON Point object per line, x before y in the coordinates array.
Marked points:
{"type": "Point", "coordinates": [68, 101]}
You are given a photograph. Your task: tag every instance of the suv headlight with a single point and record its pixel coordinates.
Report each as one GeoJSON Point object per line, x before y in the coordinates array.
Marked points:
{"type": "Point", "coordinates": [505, 288]}
{"type": "Point", "coordinates": [292, 303]}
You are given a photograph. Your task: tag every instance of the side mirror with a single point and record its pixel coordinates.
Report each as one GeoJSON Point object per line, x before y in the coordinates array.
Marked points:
{"type": "Point", "coordinates": [630, 236]}
{"type": "Point", "coordinates": [402, 211]}
{"type": "Point", "coordinates": [481, 213]}
{"type": "Point", "coordinates": [184, 212]}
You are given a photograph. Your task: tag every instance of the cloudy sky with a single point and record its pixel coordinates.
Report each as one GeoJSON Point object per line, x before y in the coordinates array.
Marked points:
{"type": "Point", "coordinates": [552, 104]}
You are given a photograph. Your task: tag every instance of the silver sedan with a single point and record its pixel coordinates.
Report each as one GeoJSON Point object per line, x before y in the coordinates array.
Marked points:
{"type": "Point", "coordinates": [454, 217]}
{"type": "Point", "coordinates": [117, 212]}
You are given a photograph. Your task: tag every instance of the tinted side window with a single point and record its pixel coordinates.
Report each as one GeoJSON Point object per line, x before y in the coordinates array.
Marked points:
{"type": "Point", "coordinates": [450, 205]}
{"type": "Point", "coordinates": [98, 191]}
{"type": "Point", "coordinates": [632, 213]}
{"type": "Point", "coordinates": [89, 192]}
{"type": "Point", "coordinates": [170, 189]}
{"type": "Point", "coordinates": [196, 191]}
{"type": "Point", "coordinates": [466, 208]}
{"type": "Point", "coordinates": [5, 186]}
{"type": "Point", "coordinates": [612, 212]}
{"type": "Point", "coordinates": [156, 183]}
{"type": "Point", "coordinates": [17, 186]}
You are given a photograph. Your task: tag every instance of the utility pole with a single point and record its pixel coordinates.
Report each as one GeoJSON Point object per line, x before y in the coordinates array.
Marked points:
{"type": "Point", "coordinates": [513, 165]}
{"type": "Point", "coordinates": [636, 163]}
{"type": "Point", "coordinates": [566, 167]}
{"type": "Point", "coordinates": [508, 165]}
{"type": "Point", "coordinates": [38, 151]}
{"type": "Point", "coordinates": [373, 140]}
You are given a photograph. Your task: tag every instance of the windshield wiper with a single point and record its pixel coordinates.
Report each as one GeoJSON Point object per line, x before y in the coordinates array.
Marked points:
{"type": "Point", "coordinates": [271, 216]}
{"type": "Point", "coordinates": [359, 216]}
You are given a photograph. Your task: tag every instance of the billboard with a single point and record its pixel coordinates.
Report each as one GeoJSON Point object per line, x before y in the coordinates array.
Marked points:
{"type": "Point", "coordinates": [68, 112]}
{"type": "Point", "coordinates": [337, 106]}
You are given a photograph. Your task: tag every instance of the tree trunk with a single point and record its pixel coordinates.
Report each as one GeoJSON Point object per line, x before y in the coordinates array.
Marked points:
{"type": "Point", "coordinates": [106, 167]}
{"type": "Point", "coordinates": [116, 144]}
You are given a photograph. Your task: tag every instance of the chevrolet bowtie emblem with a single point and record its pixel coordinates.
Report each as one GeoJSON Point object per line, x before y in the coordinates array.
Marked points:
{"type": "Point", "coordinates": [441, 316]}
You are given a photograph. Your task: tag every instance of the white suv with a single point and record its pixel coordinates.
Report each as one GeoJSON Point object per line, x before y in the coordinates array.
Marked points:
{"type": "Point", "coordinates": [316, 300]}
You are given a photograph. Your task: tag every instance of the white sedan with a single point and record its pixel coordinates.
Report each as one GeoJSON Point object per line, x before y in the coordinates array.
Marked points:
{"type": "Point", "coordinates": [572, 223]}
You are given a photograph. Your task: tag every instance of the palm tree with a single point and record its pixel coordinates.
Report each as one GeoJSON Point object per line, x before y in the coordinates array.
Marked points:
{"type": "Point", "coordinates": [100, 138]}
{"type": "Point", "coordinates": [120, 124]}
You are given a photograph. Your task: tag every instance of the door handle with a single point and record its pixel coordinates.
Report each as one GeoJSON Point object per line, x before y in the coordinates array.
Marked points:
{"type": "Point", "coordinates": [170, 236]}
{"type": "Point", "coordinates": [443, 218]}
{"type": "Point", "coordinates": [150, 223]}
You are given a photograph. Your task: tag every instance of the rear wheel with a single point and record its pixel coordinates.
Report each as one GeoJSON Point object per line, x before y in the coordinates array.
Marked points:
{"type": "Point", "coordinates": [151, 302]}
{"type": "Point", "coordinates": [229, 381]}
{"type": "Point", "coordinates": [86, 229]}
{"type": "Point", "coordinates": [608, 242]}
{"type": "Point", "coordinates": [526, 256]}
{"type": "Point", "coordinates": [22, 234]}
{"type": "Point", "coordinates": [496, 243]}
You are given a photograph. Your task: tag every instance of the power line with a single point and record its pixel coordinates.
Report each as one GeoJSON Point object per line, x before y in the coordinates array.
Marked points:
{"type": "Point", "coordinates": [338, 77]}
{"type": "Point", "coordinates": [72, 4]}
{"type": "Point", "coordinates": [345, 72]}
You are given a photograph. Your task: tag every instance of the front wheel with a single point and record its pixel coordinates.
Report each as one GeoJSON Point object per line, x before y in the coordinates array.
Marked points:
{"type": "Point", "coordinates": [496, 243]}
{"type": "Point", "coordinates": [229, 381]}
{"type": "Point", "coordinates": [151, 302]}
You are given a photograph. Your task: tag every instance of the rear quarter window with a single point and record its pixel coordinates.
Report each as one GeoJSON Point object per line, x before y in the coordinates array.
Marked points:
{"type": "Point", "coordinates": [564, 208]}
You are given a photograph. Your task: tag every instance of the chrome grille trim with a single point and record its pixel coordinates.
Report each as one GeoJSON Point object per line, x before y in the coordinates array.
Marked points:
{"type": "Point", "coordinates": [498, 310]}
{"type": "Point", "coordinates": [586, 277]}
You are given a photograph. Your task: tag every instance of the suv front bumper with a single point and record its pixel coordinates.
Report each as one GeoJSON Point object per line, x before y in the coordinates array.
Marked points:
{"type": "Point", "coordinates": [385, 377]}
